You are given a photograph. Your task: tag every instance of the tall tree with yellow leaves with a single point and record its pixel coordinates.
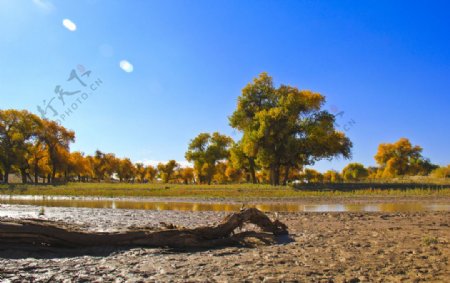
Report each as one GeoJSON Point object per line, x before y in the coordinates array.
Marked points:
{"type": "Point", "coordinates": [285, 128]}
{"type": "Point", "coordinates": [402, 158]}
{"type": "Point", "coordinates": [354, 172]}
{"type": "Point", "coordinates": [205, 151]}
{"type": "Point", "coordinates": [167, 171]}
{"type": "Point", "coordinates": [18, 131]}
{"type": "Point", "coordinates": [57, 140]}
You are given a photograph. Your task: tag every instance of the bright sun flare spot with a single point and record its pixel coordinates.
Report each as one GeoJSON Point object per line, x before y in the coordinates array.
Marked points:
{"type": "Point", "coordinates": [68, 24]}
{"type": "Point", "coordinates": [126, 66]}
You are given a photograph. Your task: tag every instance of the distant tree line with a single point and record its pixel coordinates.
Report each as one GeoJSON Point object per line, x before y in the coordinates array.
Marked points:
{"type": "Point", "coordinates": [284, 130]}
{"type": "Point", "coordinates": [39, 151]}
{"type": "Point", "coordinates": [396, 159]}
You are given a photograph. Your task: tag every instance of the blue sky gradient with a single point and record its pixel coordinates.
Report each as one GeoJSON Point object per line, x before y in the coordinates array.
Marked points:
{"type": "Point", "coordinates": [385, 64]}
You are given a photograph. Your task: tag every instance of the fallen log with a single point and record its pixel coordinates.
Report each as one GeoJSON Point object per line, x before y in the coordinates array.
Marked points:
{"type": "Point", "coordinates": [52, 234]}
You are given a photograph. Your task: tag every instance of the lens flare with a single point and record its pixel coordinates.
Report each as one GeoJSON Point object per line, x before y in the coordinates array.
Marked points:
{"type": "Point", "coordinates": [126, 66]}
{"type": "Point", "coordinates": [68, 24]}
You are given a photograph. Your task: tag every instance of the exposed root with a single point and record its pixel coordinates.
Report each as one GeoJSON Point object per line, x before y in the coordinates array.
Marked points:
{"type": "Point", "coordinates": [52, 234]}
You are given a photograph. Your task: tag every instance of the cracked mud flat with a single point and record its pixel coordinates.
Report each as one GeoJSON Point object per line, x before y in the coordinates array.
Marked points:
{"type": "Point", "coordinates": [328, 247]}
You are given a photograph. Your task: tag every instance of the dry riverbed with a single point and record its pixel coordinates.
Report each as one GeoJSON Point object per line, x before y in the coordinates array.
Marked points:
{"type": "Point", "coordinates": [327, 247]}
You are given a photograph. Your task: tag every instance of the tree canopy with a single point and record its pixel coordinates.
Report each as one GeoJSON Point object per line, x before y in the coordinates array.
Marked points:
{"type": "Point", "coordinates": [18, 131]}
{"type": "Point", "coordinates": [354, 172]}
{"type": "Point", "coordinates": [402, 158]}
{"type": "Point", "coordinates": [205, 151]}
{"type": "Point", "coordinates": [285, 128]}
{"type": "Point", "coordinates": [167, 170]}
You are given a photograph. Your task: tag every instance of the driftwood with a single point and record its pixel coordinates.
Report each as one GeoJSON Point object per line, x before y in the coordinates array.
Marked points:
{"type": "Point", "coordinates": [51, 234]}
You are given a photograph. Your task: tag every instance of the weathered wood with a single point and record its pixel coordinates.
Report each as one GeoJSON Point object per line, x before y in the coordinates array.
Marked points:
{"type": "Point", "coordinates": [53, 234]}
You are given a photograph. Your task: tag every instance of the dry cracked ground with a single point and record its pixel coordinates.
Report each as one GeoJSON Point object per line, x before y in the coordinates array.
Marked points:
{"type": "Point", "coordinates": [327, 247]}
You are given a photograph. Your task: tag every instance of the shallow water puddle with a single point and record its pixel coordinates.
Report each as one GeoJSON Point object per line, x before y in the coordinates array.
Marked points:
{"type": "Point", "coordinates": [220, 206]}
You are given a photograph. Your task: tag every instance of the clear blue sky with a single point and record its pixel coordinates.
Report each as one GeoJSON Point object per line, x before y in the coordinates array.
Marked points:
{"type": "Point", "coordinates": [386, 64]}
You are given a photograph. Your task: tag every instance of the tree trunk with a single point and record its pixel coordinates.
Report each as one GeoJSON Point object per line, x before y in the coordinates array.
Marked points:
{"type": "Point", "coordinates": [53, 174]}
{"type": "Point", "coordinates": [271, 175]}
{"type": "Point", "coordinates": [286, 175]}
{"type": "Point", "coordinates": [36, 173]}
{"type": "Point", "coordinates": [23, 175]}
{"type": "Point", "coordinates": [6, 170]}
{"type": "Point", "coordinates": [54, 234]}
{"type": "Point", "coordinates": [29, 178]}
{"type": "Point", "coordinates": [275, 175]}
{"type": "Point", "coordinates": [251, 161]}
{"type": "Point", "coordinates": [6, 177]}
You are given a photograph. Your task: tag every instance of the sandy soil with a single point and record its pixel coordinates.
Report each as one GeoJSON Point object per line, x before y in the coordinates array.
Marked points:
{"type": "Point", "coordinates": [327, 247]}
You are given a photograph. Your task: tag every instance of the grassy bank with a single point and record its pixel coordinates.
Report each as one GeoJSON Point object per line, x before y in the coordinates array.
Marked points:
{"type": "Point", "coordinates": [236, 191]}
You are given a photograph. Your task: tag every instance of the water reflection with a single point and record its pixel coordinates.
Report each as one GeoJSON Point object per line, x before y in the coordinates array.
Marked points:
{"type": "Point", "coordinates": [230, 207]}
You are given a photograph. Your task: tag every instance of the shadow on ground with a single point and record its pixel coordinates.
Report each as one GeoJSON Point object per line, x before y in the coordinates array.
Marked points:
{"type": "Point", "coordinates": [40, 252]}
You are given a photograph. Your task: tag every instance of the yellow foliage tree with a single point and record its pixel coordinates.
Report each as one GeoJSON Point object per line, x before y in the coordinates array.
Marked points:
{"type": "Point", "coordinates": [79, 166]}
{"type": "Point", "coordinates": [402, 158]}
{"type": "Point", "coordinates": [167, 171]}
{"type": "Point", "coordinates": [441, 172]}
{"type": "Point", "coordinates": [151, 173]}
{"type": "Point", "coordinates": [332, 176]}
{"type": "Point", "coordinates": [354, 172]}
{"type": "Point", "coordinates": [186, 175]}
{"type": "Point", "coordinates": [311, 176]}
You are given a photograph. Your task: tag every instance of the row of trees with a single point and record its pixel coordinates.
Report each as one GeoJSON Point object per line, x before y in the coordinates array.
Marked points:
{"type": "Point", "coordinates": [394, 160]}
{"type": "Point", "coordinates": [39, 151]}
{"type": "Point", "coordinates": [284, 130]}
{"type": "Point", "coordinates": [29, 144]}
